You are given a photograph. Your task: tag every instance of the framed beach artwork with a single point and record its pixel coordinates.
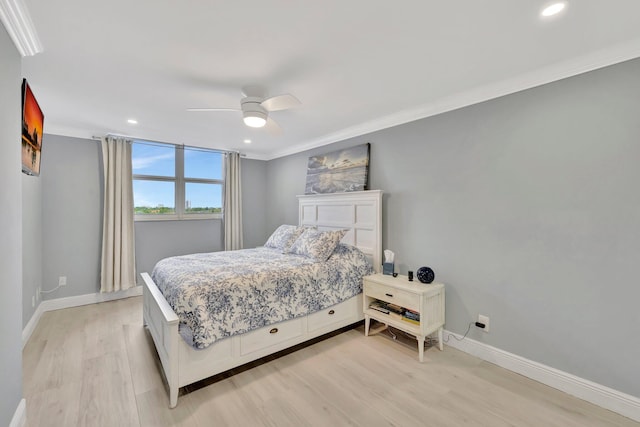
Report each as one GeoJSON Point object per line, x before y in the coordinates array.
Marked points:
{"type": "Point", "coordinates": [32, 122]}
{"type": "Point", "coordinates": [339, 171]}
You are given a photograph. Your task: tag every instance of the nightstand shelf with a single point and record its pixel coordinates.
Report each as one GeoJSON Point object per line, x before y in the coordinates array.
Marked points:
{"type": "Point", "coordinates": [425, 299]}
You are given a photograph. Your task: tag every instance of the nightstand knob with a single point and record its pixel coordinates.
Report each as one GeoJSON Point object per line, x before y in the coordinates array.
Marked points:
{"type": "Point", "coordinates": [331, 312]}
{"type": "Point", "coordinates": [273, 331]}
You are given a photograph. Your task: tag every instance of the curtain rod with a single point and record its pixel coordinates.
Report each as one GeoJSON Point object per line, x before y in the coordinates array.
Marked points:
{"type": "Point", "coordinates": [183, 146]}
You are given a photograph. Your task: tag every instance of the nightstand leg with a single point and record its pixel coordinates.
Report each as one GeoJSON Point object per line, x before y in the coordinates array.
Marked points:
{"type": "Point", "coordinates": [367, 321]}
{"type": "Point", "coordinates": [421, 348]}
{"type": "Point", "coordinates": [440, 339]}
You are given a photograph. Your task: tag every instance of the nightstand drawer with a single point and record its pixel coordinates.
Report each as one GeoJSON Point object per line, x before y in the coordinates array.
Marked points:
{"type": "Point", "coordinates": [393, 295]}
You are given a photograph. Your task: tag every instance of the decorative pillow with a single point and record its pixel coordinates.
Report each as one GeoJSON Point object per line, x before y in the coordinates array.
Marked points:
{"type": "Point", "coordinates": [317, 245]}
{"type": "Point", "coordinates": [283, 237]}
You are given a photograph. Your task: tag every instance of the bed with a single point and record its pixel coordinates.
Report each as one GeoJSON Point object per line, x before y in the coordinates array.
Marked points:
{"type": "Point", "coordinates": [220, 348]}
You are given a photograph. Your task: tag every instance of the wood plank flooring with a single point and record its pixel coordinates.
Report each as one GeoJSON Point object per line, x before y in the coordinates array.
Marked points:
{"type": "Point", "coordinates": [95, 365]}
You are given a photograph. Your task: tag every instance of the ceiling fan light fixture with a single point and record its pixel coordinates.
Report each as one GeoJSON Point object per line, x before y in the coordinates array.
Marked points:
{"type": "Point", "coordinates": [254, 119]}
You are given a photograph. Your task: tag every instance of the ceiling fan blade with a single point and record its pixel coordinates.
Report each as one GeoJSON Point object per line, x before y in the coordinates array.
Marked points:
{"type": "Point", "coordinates": [280, 102]}
{"type": "Point", "coordinates": [272, 127]}
{"type": "Point", "coordinates": [212, 109]}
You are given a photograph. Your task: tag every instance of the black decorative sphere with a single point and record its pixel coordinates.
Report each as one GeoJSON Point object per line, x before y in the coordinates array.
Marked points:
{"type": "Point", "coordinates": [425, 275]}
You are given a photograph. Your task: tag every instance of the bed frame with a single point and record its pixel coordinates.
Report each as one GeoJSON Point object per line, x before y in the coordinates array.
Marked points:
{"type": "Point", "coordinates": [360, 212]}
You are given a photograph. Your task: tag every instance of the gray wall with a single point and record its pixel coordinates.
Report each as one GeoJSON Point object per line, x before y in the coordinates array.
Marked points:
{"type": "Point", "coordinates": [31, 244]}
{"type": "Point", "coordinates": [286, 178]}
{"type": "Point", "coordinates": [527, 207]}
{"type": "Point", "coordinates": [71, 215]}
{"type": "Point", "coordinates": [11, 223]}
{"type": "Point", "coordinates": [156, 240]}
{"type": "Point", "coordinates": [255, 199]}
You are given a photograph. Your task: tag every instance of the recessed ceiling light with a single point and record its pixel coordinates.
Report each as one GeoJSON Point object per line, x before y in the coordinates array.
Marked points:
{"type": "Point", "coordinates": [247, 141]}
{"type": "Point", "coordinates": [132, 121]}
{"type": "Point", "coordinates": [553, 9]}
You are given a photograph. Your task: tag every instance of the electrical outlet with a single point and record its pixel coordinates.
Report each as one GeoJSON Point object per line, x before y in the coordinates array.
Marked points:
{"type": "Point", "coordinates": [33, 301]}
{"type": "Point", "coordinates": [62, 281]}
{"type": "Point", "coordinates": [485, 321]}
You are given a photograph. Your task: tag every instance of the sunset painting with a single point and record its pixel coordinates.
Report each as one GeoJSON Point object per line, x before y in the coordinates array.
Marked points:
{"type": "Point", "coordinates": [32, 122]}
{"type": "Point", "coordinates": [339, 171]}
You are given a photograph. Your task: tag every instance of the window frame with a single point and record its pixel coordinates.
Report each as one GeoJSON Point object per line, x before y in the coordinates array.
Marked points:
{"type": "Point", "coordinates": [180, 182]}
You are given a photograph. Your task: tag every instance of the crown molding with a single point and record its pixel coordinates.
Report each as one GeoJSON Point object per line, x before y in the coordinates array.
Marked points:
{"type": "Point", "coordinates": [17, 20]}
{"type": "Point", "coordinates": [562, 70]}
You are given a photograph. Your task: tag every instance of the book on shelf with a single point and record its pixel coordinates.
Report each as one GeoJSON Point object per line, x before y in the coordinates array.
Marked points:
{"type": "Point", "coordinates": [376, 305]}
{"type": "Point", "coordinates": [381, 306]}
{"type": "Point", "coordinates": [410, 314]}
{"type": "Point", "coordinates": [381, 310]}
{"type": "Point", "coordinates": [395, 308]}
{"type": "Point", "coordinates": [414, 321]}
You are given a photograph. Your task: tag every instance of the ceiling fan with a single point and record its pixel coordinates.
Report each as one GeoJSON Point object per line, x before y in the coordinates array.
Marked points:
{"type": "Point", "coordinates": [255, 107]}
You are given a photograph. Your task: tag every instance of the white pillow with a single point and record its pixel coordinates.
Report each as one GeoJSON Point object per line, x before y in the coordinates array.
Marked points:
{"type": "Point", "coordinates": [283, 237]}
{"type": "Point", "coordinates": [317, 245]}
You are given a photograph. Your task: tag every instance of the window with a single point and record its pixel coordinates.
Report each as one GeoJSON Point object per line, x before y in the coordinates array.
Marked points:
{"type": "Point", "coordinates": [176, 182]}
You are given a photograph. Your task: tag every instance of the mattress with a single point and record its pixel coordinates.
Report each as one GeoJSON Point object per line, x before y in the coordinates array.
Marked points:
{"type": "Point", "coordinates": [220, 294]}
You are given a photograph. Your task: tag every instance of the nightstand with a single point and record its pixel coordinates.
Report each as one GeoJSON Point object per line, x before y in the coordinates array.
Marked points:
{"type": "Point", "coordinates": [427, 300]}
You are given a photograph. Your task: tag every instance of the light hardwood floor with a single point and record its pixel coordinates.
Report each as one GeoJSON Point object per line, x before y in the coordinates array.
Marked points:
{"type": "Point", "coordinates": [96, 366]}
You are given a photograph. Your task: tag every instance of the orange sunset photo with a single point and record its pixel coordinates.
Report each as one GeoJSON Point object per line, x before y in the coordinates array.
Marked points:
{"type": "Point", "coordinates": [32, 121]}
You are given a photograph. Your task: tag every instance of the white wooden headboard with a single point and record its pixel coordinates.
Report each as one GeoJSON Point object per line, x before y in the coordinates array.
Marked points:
{"type": "Point", "coordinates": [359, 211]}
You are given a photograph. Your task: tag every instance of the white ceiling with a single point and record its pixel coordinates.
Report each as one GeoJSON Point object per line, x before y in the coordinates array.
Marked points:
{"type": "Point", "coordinates": [356, 65]}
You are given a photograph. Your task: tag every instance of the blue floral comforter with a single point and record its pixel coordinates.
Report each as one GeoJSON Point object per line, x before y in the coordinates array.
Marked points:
{"type": "Point", "coordinates": [220, 294]}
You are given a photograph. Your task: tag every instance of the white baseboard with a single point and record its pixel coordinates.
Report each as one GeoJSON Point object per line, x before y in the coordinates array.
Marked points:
{"type": "Point", "coordinates": [31, 325]}
{"type": "Point", "coordinates": [20, 415]}
{"type": "Point", "coordinates": [76, 301]}
{"type": "Point", "coordinates": [605, 397]}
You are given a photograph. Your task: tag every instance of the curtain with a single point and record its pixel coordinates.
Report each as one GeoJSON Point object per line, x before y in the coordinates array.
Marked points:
{"type": "Point", "coordinates": [232, 203]}
{"type": "Point", "coordinates": [118, 252]}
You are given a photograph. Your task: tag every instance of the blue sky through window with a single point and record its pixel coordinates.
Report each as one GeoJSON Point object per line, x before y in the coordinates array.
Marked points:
{"type": "Point", "coordinates": [153, 194]}
{"type": "Point", "coordinates": [159, 160]}
{"type": "Point", "coordinates": [202, 164]}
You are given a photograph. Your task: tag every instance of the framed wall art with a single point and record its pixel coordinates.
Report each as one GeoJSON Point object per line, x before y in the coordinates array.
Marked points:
{"type": "Point", "coordinates": [339, 171]}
